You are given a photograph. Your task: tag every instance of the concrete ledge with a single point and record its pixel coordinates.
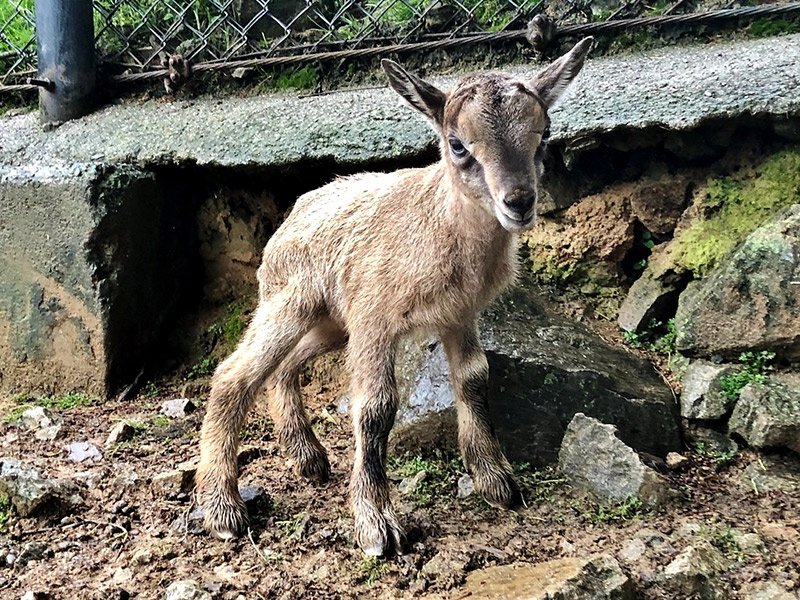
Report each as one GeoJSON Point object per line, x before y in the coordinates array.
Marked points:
{"type": "Point", "coordinates": [670, 88]}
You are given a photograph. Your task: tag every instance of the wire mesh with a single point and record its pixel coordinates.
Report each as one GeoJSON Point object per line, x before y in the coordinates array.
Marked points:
{"type": "Point", "coordinates": [136, 34]}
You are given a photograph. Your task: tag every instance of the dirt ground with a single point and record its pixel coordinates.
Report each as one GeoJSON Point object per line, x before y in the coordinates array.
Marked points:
{"type": "Point", "coordinates": [130, 540]}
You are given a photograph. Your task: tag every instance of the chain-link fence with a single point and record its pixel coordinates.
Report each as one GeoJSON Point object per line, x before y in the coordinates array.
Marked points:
{"type": "Point", "coordinates": [135, 34]}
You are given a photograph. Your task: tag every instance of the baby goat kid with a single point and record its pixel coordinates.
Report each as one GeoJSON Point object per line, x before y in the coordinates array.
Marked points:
{"type": "Point", "coordinates": [370, 258]}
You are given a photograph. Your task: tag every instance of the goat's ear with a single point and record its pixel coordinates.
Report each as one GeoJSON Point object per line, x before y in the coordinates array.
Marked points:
{"type": "Point", "coordinates": [552, 81]}
{"type": "Point", "coordinates": [423, 96]}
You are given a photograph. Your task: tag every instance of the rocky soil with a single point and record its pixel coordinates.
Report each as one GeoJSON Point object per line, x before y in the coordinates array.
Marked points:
{"type": "Point", "coordinates": [115, 520]}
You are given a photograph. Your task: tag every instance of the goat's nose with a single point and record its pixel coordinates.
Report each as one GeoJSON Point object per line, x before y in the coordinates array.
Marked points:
{"type": "Point", "coordinates": [520, 200]}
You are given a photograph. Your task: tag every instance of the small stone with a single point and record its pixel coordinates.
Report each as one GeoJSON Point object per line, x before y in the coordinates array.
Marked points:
{"type": "Point", "coordinates": [11, 558]}
{"type": "Point", "coordinates": [445, 564]}
{"type": "Point", "coordinates": [240, 72]}
{"type": "Point", "coordinates": [173, 482]}
{"type": "Point", "coordinates": [31, 494]}
{"type": "Point", "coordinates": [466, 487]}
{"type": "Point", "coordinates": [701, 395]}
{"type": "Point", "coordinates": [594, 460]}
{"type": "Point", "coordinates": [676, 461]}
{"type": "Point", "coordinates": [33, 551]}
{"type": "Point", "coordinates": [186, 590]}
{"type": "Point", "coordinates": [768, 474]}
{"type": "Point", "coordinates": [92, 478]}
{"type": "Point", "coordinates": [693, 573]}
{"type": "Point", "coordinates": [177, 408]}
{"type": "Point", "coordinates": [31, 595]}
{"type": "Point", "coordinates": [142, 557]}
{"type": "Point", "coordinates": [409, 484]}
{"type": "Point", "coordinates": [121, 432]}
{"type": "Point", "coordinates": [749, 543]}
{"type": "Point", "coordinates": [82, 451]}
{"type": "Point", "coordinates": [633, 551]}
{"type": "Point", "coordinates": [251, 494]}
{"type": "Point", "coordinates": [45, 425]}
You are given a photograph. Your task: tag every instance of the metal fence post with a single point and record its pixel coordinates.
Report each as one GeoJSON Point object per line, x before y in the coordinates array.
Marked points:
{"type": "Point", "coordinates": [65, 47]}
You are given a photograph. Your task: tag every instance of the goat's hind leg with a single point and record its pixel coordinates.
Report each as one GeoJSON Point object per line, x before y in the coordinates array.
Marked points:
{"type": "Point", "coordinates": [279, 322]}
{"type": "Point", "coordinates": [292, 426]}
{"type": "Point", "coordinates": [480, 449]}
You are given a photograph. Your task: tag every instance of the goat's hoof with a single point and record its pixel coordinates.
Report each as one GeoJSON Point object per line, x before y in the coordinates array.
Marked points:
{"type": "Point", "coordinates": [225, 518]}
{"type": "Point", "coordinates": [500, 491]}
{"type": "Point", "coordinates": [378, 532]}
{"type": "Point", "coordinates": [313, 466]}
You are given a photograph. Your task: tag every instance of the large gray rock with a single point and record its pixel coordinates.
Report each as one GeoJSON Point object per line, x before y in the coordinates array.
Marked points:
{"type": "Point", "coordinates": [701, 394]}
{"type": "Point", "coordinates": [543, 370]}
{"type": "Point", "coordinates": [768, 414]}
{"type": "Point", "coordinates": [594, 460]}
{"type": "Point", "coordinates": [598, 577]}
{"type": "Point", "coordinates": [31, 494]}
{"type": "Point", "coordinates": [752, 289]}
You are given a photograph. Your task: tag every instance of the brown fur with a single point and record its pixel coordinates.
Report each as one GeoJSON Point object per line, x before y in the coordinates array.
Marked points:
{"type": "Point", "coordinates": [368, 259]}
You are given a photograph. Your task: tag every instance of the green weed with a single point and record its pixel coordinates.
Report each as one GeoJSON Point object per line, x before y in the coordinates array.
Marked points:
{"type": "Point", "coordinates": [65, 402]}
{"type": "Point", "coordinates": [289, 526]}
{"type": "Point", "coordinates": [719, 457]}
{"type": "Point", "coordinates": [372, 569]}
{"type": "Point", "coordinates": [537, 485]}
{"type": "Point", "coordinates": [230, 329]}
{"type": "Point", "coordinates": [627, 510]}
{"type": "Point", "coordinates": [656, 337]}
{"type": "Point", "coordinates": [203, 368]}
{"type": "Point", "coordinates": [442, 472]}
{"type": "Point", "coordinates": [755, 366]}
{"type": "Point", "coordinates": [304, 78]}
{"type": "Point", "coordinates": [150, 390]}
{"type": "Point", "coordinates": [769, 27]}
{"type": "Point", "coordinates": [5, 511]}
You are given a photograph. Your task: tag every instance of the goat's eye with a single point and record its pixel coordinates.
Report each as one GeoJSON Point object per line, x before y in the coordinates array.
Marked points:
{"type": "Point", "coordinates": [459, 151]}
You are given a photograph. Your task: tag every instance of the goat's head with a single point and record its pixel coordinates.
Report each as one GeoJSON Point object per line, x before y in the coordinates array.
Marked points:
{"type": "Point", "coordinates": [493, 129]}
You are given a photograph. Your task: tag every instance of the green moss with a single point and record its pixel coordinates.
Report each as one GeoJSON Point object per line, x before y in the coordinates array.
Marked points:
{"type": "Point", "coordinates": [768, 27]}
{"type": "Point", "coordinates": [372, 569]}
{"type": "Point", "coordinates": [442, 473]}
{"type": "Point", "coordinates": [734, 208]}
{"type": "Point", "coordinates": [552, 270]}
{"type": "Point", "coordinates": [298, 79]}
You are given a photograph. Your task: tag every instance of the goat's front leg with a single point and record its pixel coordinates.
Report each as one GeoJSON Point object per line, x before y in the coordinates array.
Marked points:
{"type": "Point", "coordinates": [480, 450]}
{"type": "Point", "coordinates": [371, 363]}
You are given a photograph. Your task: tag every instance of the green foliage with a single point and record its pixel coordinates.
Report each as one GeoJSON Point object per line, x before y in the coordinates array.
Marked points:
{"type": "Point", "coordinates": [537, 485]}
{"type": "Point", "coordinates": [658, 7]}
{"type": "Point", "coordinates": [755, 366]}
{"type": "Point", "coordinates": [18, 31]}
{"type": "Point", "coordinates": [735, 207]}
{"type": "Point", "coordinates": [5, 511]}
{"type": "Point", "coordinates": [442, 473]}
{"type": "Point", "coordinates": [627, 510]}
{"type": "Point", "coordinates": [774, 26]}
{"type": "Point", "coordinates": [15, 413]}
{"type": "Point", "coordinates": [204, 368]}
{"type": "Point", "coordinates": [65, 402]}
{"type": "Point", "coordinates": [150, 390]}
{"type": "Point", "coordinates": [304, 78]}
{"type": "Point", "coordinates": [372, 569]}
{"type": "Point", "coordinates": [724, 539]}
{"type": "Point", "coordinates": [656, 337]}
{"type": "Point", "coordinates": [719, 457]}
{"type": "Point", "coordinates": [230, 329]}
{"type": "Point", "coordinates": [290, 526]}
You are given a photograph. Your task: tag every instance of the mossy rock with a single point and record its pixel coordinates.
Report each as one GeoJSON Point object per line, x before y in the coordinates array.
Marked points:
{"type": "Point", "coordinates": [726, 210]}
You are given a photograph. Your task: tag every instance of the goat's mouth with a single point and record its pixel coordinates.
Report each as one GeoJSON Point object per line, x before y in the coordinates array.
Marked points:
{"type": "Point", "coordinates": [515, 222]}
